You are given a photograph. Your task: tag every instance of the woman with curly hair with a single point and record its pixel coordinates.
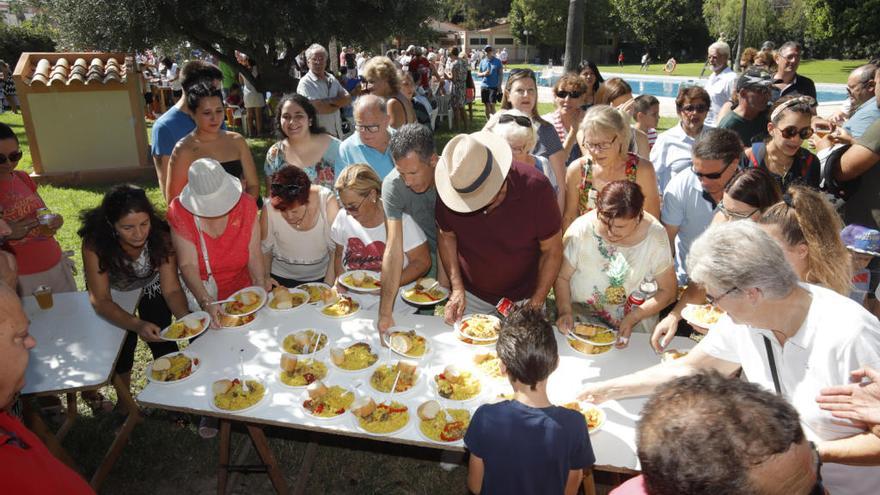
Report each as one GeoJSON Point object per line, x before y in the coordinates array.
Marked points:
{"type": "Point", "coordinates": [126, 246]}
{"type": "Point", "coordinates": [381, 79]}
{"type": "Point", "coordinates": [806, 226]}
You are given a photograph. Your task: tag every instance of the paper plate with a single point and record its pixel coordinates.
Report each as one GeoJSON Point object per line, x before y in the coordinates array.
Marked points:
{"type": "Point", "coordinates": [420, 374]}
{"type": "Point", "coordinates": [475, 341]}
{"type": "Point", "coordinates": [197, 365]}
{"type": "Point", "coordinates": [691, 313]}
{"type": "Point", "coordinates": [259, 403]}
{"type": "Point", "coordinates": [358, 427]}
{"type": "Point", "coordinates": [286, 310]}
{"type": "Point", "coordinates": [206, 322]}
{"type": "Point", "coordinates": [474, 373]}
{"type": "Point", "coordinates": [259, 290]}
{"type": "Point", "coordinates": [428, 346]}
{"type": "Point", "coordinates": [314, 301]}
{"type": "Point", "coordinates": [350, 286]}
{"type": "Point", "coordinates": [357, 310]}
{"type": "Point", "coordinates": [418, 303]}
{"type": "Point", "coordinates": [305, 396]}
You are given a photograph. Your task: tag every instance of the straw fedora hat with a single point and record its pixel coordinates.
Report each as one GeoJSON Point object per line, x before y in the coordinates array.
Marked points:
{"type": "Point", "coordinates": [210, 192]}
{"type": "Point", "coordinates": [472, 170]}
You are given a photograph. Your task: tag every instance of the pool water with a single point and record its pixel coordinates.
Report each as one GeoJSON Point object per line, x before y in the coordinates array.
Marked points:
{"type": "Point", "coordinates": [669, 87]}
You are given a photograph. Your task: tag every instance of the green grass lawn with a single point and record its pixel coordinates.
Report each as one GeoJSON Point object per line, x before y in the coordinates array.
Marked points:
{"type": "Point", "coordinates": [820, 71]}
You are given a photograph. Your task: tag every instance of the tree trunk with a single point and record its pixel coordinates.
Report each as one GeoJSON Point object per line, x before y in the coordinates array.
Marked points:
{"type": "Point", "coordinates": [574, 35]}
{"type": "Point", "coordinates": [739, 39]}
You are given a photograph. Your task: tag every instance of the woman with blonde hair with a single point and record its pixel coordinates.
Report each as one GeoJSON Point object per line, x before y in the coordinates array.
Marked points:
{"type": "Point", "coordinates": [805, 224]}
{"type": "Point", "coordinates": [519, 132]}
{"type": "Point", "coordinates": [605, 137]}
{"type": "Point", "coordinates": [359, 230]}
{"type": "Point", "coordinates": [381, 79]}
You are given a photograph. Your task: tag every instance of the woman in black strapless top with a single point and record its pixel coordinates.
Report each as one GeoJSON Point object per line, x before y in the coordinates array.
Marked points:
{"type": "Point", "coordinates": [210, 140]}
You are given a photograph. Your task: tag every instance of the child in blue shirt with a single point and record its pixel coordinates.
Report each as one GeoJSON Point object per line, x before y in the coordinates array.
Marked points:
{"type": "Point", "coordinates": [527, 445]}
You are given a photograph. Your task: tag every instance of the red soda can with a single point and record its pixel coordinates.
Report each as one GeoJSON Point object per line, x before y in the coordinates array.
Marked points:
{"type": "Point", "coordinates": [504, 306]}
{"type": "Point", "coordinates": [637, 298]}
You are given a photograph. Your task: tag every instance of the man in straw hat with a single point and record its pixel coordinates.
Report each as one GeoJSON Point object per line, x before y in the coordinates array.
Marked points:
{"type": "Point", "coordinates": [499, 228]}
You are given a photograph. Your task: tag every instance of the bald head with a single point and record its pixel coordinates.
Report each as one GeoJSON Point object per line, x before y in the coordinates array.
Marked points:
{"type": "Point", "coordinates": [370, 103]}
{"type": "Point", "coordinates": [15, 342]}
{"type": "Point", "coordinates": [860, 84]}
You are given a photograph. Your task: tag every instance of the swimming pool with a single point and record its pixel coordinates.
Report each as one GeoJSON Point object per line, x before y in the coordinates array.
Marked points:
{"type": "Point", "coordinates": [668, 86]}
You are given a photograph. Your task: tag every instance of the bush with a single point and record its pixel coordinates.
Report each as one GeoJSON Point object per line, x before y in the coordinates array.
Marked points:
{"type": "Point", "coordinates": [14, 40]}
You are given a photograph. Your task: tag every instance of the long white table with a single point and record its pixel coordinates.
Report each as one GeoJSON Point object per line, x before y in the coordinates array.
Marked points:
{"type": "Point", "coordinates": [218, 351]}
{"type": "Point", "coordinates": [76, 350]}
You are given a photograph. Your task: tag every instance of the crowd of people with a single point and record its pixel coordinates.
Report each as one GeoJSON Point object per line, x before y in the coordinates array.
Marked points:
{"type": "Point", "coordinates": [727, 208]}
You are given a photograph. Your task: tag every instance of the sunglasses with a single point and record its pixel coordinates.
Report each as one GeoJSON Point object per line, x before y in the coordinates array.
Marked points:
{"type": "Point", "coordinates": [12, 157]}
{"type": "Point", "coordinates": [734, 216]}
{"type": "Point", "coordinates": [566, 94]}
{"type": "Point", "coordinates": [712, 176]}
{"type": "Point", "coordinates": [519, 119]}
{"type": "Point", "coordinates": [369, 129]}
{"type": "Point", "coordinates": [694, 108]}
{"type": "Point", "coordinates": [355, 209]}
{"type": "Point", "coordinates": [712, 299]}
{"type": "Point", "coordinates": [792, 131]}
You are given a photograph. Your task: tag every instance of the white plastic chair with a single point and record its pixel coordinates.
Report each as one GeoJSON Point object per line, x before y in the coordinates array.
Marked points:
{"type": "Point", "coordinates": [444, 109]}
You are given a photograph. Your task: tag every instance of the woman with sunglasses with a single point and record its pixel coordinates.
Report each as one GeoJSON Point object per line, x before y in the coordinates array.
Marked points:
{"type": "Point", "coordinates": [359, 230]}
{"type": "Point", "coordinates": [32, 239]}
{"type": "Point", "coordinates": [605, 136]}
{"type": "Point", "coordinates": [519, 132]}
{"type": "Point", "coordinates": [295, 229]}
{"type": "Point", "coordinates": [787, 336]}
{"type": "Point", "coordinates": [782, 154]}
{"type": "Point", "coordinates": [608, 253]}
{"type": "Point", "coordinates": [381, 79]}
{"type": "Point", "coordinates": [521, 93]}
{"type": "Point", "coordinates": [746, 197]}
{"type": "Point", "coordinates": [209, 140]}
{"type": "Point", "coordinates": [569, 95]}
{"type": "Point", "coordinates": [303, 142]}
{"type": "Point", "coordinates": [595, 94]}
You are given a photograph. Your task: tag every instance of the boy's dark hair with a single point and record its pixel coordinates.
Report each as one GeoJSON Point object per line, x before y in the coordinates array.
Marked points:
{"type": "Point", "coordinates": [643, 103]}
{"type": "Point", "coordinates": [527, 347]}
{"type": "Point", "coordinates": [199, 91]}
{"type": "Point", "coordinates": [6, 132]}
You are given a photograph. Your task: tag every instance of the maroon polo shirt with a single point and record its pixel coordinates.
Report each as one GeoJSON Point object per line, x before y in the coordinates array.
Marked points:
{"type": "Point", "coordinates": [499, 252]}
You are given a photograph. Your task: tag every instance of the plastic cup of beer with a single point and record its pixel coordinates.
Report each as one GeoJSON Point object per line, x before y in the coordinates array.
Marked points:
{"type": "Point", "coordinates": [43, 294]}
{"type": "Point", "coordinates": [45, 218]}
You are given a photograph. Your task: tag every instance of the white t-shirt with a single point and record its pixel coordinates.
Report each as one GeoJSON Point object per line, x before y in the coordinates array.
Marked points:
{"type": "Point", "coordinates": [172, 73]}
{"type": "Point", "coordinates": [300, 254]}
{"type": "Point", "coordinates": [364, 247]}
{"type": "Point", "coordinates": [720, 88]}
{"type": "Point", "coordinates": [837, 337]}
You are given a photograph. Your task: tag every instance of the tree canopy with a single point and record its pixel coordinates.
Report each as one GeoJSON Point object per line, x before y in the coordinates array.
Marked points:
{"type": "Point", "coordinates": [270, 32]}
{"type": "Point", "coordinates": [663, 26]}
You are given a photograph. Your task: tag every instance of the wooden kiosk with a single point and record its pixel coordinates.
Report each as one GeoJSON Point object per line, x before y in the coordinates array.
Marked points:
{"type": "Point", "coordinates": [84, 117]}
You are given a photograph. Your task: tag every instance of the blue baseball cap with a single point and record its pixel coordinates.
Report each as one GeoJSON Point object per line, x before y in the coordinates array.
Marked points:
{"type": "Point", "coordinates": [861, 239]}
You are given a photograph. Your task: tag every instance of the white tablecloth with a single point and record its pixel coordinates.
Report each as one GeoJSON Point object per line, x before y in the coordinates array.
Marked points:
{"type": "Point", "coordinates": [260, 340]}
{"type": "Point", "coordinates": [75, 348]}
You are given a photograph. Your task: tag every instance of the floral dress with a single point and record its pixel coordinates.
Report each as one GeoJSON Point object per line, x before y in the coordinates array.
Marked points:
{"type": "Point", "coordinates": [321, 173]}
{"type": "Point", "coordinates": [458, 69]}
{"type": "Point", "coordinates": [606, 274]}
{"type": "Point", "coordinates": [587, 194]}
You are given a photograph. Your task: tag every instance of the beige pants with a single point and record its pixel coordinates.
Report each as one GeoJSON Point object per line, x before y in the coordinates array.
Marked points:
{"type": "Point", "coordinates": [59, 278]}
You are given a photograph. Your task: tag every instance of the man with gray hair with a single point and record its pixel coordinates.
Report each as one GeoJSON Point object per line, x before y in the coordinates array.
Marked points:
{"type": "Point", "coordinates": [323, 91]}
{"type": "Point", "coordinates": [409, 189]}
{"type": "Point", "coordinates": [369, 143]}
{"type": "Point", "coordinates": [790, 338]}
{"type": "Point", "coordinates": [721, 82]}
{"type": "Point", "coordinates": [690, 199]}
{"type": "Point", "coordinates": [787, 80]}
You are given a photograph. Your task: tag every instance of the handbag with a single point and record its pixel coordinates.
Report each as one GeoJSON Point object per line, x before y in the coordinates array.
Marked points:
{"type": "Point", "coordinates": [210, 284]}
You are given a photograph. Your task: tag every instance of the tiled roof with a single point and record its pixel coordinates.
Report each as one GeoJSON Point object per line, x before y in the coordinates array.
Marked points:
{"type": "Point", "coordinates": [80, 71]}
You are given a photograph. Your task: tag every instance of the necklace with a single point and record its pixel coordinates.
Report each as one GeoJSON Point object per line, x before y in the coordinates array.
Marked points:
{"type": "Point", "coordinates": [298, 222]}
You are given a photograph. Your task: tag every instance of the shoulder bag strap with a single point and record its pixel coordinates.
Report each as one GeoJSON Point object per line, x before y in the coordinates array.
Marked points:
{"type": "Point", "coordinates": [204, 247]}
{"type": "Point", "coordinates": [769, 347]}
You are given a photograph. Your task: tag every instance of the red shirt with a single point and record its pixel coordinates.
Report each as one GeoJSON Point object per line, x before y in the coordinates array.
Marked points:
{"type": "Point", "coordinates": [227, 254]}
{"type": "Point", "coordinates": [34, 252]}
{"type": "Point", "coordinates": [27, 466]}
{"type": "Point", "coordinates": [499, 252]}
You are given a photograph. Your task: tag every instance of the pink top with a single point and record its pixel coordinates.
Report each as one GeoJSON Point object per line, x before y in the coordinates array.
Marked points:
{"type": "Point", "coordinates": [634, 486]}
{"type": "Point", "coordinates": [227, 254]}
{"type": "Point", "coordinates": [34, 252]}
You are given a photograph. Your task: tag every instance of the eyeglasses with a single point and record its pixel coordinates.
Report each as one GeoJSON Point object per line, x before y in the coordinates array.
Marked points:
{"type": "Point", "coordinates": [599, 146]}
{"type": "Point", "coordinates": [694, 109]}
{"type": "Point", "coordinates": [792, 131]}
{"type": "Point", "coordinates": [355, 209]}
{"type": "Point", "coordinates": [518, 119]}
{"type": "Point", "coordinates": [12, 157]}
{"type": "Point", "coordinates": [569, 94]}
{"type": "Point", "coordinates": [714, 300]}
{"type": "Point", "coordinates": [734, 216]}
{"type": "Point", "coordinates": [370, 129]}
{"type": "Point", "coordinates": [711, 176]}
